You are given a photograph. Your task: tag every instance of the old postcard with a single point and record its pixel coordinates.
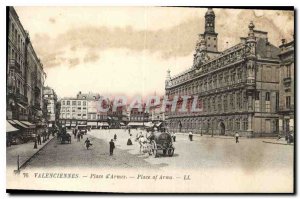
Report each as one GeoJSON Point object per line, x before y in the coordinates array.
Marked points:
{"type": "Point", "coordinates": [150, 99]}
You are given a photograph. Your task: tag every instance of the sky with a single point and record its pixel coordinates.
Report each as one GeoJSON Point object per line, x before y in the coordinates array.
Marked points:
{"type": "Point", "coordinates": [127, 50]}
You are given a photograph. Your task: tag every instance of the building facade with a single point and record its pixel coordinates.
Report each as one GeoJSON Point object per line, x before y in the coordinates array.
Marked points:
{"type": "Point", "coordinates": [138, 114]}
{"type": "Point", "coordinates": [237, 88]}
{"type": "Point", "coordinates": [25, 76]}
{"type": "Point", "coordinates": [50, 98]}
{"type": "Point", "coordinates": [73, 111]}
{"type": "Point", "coordinates": [95, 117]}
{"type": "Point", "coordinates": [286, 88]}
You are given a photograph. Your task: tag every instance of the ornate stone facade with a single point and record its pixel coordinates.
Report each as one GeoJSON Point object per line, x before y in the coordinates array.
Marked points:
{"type": "Point", "coordinates": [238, 87]}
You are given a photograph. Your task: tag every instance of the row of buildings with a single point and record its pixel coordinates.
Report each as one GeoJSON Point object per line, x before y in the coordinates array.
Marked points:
{"type": "Point", "coordinates": [83, 109]}
{"type": "Point", "coordinates": [247, 88]}
{"type": "Point", "coordinates": [26, 108]}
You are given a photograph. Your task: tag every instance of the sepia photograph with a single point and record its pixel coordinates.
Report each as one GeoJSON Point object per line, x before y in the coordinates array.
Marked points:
{"type": "Point", "coordinates": [150, 99]}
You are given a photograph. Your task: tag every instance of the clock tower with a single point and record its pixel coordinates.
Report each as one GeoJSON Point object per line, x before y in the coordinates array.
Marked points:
{"type": "Point", "coordinates": [210, 36]}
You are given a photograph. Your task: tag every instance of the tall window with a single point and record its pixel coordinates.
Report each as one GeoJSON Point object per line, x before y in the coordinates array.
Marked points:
{"type": "Point", "coordinates": [220, 104]}
{"type": "Point", "coordinates": [226, 78]}
{"type": "Point", "coordinates": [74, 103]}
{"type": "Point", "coordinates": [225, 103]}
{"type": "Point", "coordinates": [208, 105]}
{"type": "Point", "coordinates": [268, 104]}
{"type": "Point", "coordinates": [245, 124]}
{"type": "Point", "coordinates": [68, 102]}
{"type": "Point", "coordinates": [213, 103]}
{"type": "Point", "coordinates": [231, 101]}
{"type": "Point", "coordinates": [288, 102]}
{"type": "Point", "coordinates": [239, 74]}
{"type": "Point", "coordinates": [238, 100]}
{"type": "Point", "coordinates": [257, 97]}
{"type": "Point", "coordinates": [267, 96]}
{"type": "Point", "coordinates": [230, 124]}
{"type": "Point", "coordinates": [220, 80]}
{"type": "Point", "coordinates": [277, 101]}
{"type": "Point", "coordinates": [233, 77]}
{"type": "Point", "coordinates": [245, 101]}
{"type": "Point", "coordinates": [237, 124]}
{"type": "Point", "coordinates": [288, 71]}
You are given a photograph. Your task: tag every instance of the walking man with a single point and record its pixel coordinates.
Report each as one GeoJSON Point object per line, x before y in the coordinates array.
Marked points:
{"type": "Point", "coordinates": [111, 147]}
{"type": "Point", "coordinates": [237, 137]}
{"type": "Point", "coordinates": [35, 144]}
{"type": "Point", "coordinates": [39, 140]}
{"type": "Point", "coordinates": [87, 143]}
{"type": "Point", "coordinates": [191, 135]}
{"type": "Point", "coordinates": [78, 137]}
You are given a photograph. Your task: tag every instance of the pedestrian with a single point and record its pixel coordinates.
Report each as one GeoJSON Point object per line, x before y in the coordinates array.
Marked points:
{"type": "Point", "coordinates": [115, 137]}
{"type": "Point", "coordinates": [81, 135]}
{"type": "Point", "coordinates": [35, 144]}
{"type": "Point", "coordinates": [111, 147]}
{"type": "Point", "coordinates": [39, 139]}
{"type": "Point", "coordinates": [237, 137]}
{"type": "Point", "coordinates": [278, 137]}
{"type": "Point", "coordinates": [129, 142]}
{"type": "Point", "coordinates": [174, 137]}
{"type": "Point", "coordinates": [87, 143]}
{"type": "Point", "coordinates": [191, 135]}
{"type": "Point", "coordinates": [78, 137]}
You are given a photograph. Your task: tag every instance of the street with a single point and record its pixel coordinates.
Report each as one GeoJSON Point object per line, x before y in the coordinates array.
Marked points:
{"type": "Point", "coordinates": [204, 152]}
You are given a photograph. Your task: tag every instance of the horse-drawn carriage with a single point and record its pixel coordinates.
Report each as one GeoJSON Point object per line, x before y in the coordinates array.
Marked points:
{"type": "Point", "coordinates": [63, 136]}
{"type": "Point", "coordinates": [158, 141]}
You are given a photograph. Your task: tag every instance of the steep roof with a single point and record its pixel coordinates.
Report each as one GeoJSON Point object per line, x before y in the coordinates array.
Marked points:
{"type": "Point", "coordinates": [266, 50]}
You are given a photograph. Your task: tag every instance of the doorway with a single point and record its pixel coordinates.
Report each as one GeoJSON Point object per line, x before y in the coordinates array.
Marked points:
{"type": "Point", "coordinates": [222, 128]}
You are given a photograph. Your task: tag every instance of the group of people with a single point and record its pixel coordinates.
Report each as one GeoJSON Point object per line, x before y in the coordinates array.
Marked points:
{"type": "Point", "coordinates": [77, 134]}
{"type": "Point", "coordinates": [44, 136]}
{"type": "Point", "coordinates": [236, 136]}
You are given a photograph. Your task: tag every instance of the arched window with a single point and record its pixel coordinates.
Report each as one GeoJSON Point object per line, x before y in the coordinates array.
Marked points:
{"type": "Point", "coordinates": [267, 96]}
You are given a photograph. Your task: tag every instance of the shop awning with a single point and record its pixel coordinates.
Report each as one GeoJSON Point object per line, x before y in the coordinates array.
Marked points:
{"type": "Point", "coordinates": [122, 124]}
{"type": "Point", "coordinates": [103, 124]}
{"type": "Point", "coordinates": [135, 124]}
{"type": "Point", "coordinates": [30, 125]}
{"type": "Point", "coordinates": [11, 122]}
{"type": "Point", "coordinates": [10, 128]}
{"type": "Point", "coordinates": [149, 124]}
{"type": "Point", "coordinates": [92, 123]}
{"type": "Point", "coordinates": [73, 124]}
{"type": "Point", "coordinates": [50, 125]}
{"type": "Point", "coordinates": [17, 122]}
{"type": "Point", "coordinates": [20, 105]}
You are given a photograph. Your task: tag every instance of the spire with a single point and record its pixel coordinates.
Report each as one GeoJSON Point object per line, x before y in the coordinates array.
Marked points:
{"type": "Point", "coordinates": [251, 29]}
{"type": "Point", "coordinates": [210, 21]}
{"type": "Point", "coordinates": [168, 74]}
{"type": "Point", "coordinates": [209, 12]}
{"type": "Point", "coordinates": [168, 78]}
